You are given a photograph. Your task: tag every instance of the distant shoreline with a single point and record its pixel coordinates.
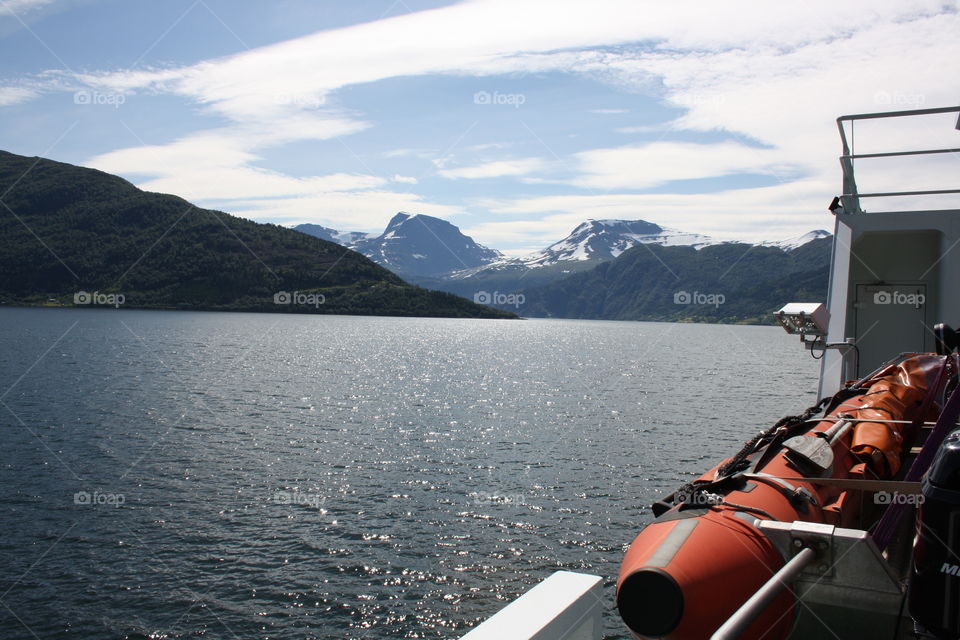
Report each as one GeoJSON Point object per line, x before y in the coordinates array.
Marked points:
{"type": "Point", "coordinates": [279, 311]}
{"type": "Point", "coordinates": [27, 305]}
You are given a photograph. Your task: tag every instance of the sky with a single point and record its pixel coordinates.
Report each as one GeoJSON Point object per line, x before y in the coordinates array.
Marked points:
{"type": "Point", "coordinates": [513, 119]}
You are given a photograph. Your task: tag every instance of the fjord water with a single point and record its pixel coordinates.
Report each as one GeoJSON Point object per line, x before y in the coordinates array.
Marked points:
{"type": "Point", "coordinates": [179, 474]}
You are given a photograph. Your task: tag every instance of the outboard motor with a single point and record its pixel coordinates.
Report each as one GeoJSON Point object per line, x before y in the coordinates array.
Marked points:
{"type": "Point", "coordinates": [935, 583]}
{"type": "Point", "coordinates": [946, 338]}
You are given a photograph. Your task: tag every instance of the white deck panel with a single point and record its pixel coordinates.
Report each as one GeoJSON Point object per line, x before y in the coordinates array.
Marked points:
{"type": "Point", "coordinates": [565, 606]}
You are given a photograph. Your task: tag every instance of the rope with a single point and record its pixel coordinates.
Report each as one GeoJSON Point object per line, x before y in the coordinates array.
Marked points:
{"type": "Point", "coordinates": [694, 493]}
{"type": "Point", "coordinates": [739, 461]}
{"type": "Point", "coordinates": [771, 438]}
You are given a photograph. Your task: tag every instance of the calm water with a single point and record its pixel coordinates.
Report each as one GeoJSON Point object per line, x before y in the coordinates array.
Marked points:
{"type": "Point", "coordinates": [173, 475]}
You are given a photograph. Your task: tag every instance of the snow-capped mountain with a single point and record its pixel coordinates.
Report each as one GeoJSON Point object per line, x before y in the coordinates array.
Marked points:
{"type": "Point", "coordinates": [596, 241]}
{"type": "Point", "coordinates": [351, 238]}
{"type": "Point", "coordinates": [413, 245]}
{"type": "Point", "coordinates": [606, 239]}
{"type": "Point", "coordinates": [416, 245]}
{"type": "Point", "coordinates": [601, 240]}
{"type": "Point", "coordinates": [346, 238]}
{"type": "Point", "coordinates": [793, 243]}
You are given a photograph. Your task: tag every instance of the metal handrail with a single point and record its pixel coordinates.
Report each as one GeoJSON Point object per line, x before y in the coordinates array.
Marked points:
{"type": "Point", "coordinates": [851, 197]}
{"type": "Point", "coordinates": [890, 154]}
{"type": "Point", "coordinates": [743, 617]}
{"type": "Point", "coordinates": [928, 192]}
{"type": "Point", "coordinates": [896, 114]}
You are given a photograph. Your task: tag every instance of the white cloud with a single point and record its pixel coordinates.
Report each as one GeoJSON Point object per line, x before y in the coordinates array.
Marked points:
{"type": "Point", "coordinates": [496, 169]}
{"type": "Point", "coordinates": [486, 146]}
{"type": "Point", "coordinates": [489, 36]}
{"type": "Point", "coordinates": [216, 169]}
{"type": "Point", "coordinates": [344, 211]}
{"type": "Point", "coordinates": [748, 214]}
{"type": "Point", "coordinates": [400, 153]}
{"type": "Point", "coordinates": [643, 128]}
{"type": "Point", "coordinates": [234, 183]}
{"type": "Point", "coordinates": [536, 232]}
{"type": "Point", "coordinates": [16, 7]}
{"type": "Point", "coordinates": [778, 76]}
{"type": "Point", "coordinates": [15, 95]}
{"type": "Point", "coordinates": [649, 165]}
{"type": "Point", "coordinates": [404, 179]}
{"type": "Point", "coordinates": [203, 151]}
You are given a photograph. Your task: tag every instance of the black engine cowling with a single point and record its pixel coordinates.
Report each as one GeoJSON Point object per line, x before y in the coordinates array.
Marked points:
{"type": "Point", "coordinates": [935, 582]}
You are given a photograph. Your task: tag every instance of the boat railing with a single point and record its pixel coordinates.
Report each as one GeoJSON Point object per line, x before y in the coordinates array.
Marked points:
{"type": "Point", "coordinates": [850, 199]}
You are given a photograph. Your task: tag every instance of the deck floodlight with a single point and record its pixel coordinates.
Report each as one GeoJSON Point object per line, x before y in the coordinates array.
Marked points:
{"type": "Point", "coordinates": [804, 318]}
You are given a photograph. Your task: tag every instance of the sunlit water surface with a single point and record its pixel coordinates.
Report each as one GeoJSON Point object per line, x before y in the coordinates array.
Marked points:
{"type": "Point", "coordinates": [175, 475]}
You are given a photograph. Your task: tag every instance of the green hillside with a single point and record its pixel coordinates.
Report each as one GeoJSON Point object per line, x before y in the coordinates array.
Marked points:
{"type": "Point", "coordinates": [731, 283]}
{"type": "Point", "coordinates": [67, 231]}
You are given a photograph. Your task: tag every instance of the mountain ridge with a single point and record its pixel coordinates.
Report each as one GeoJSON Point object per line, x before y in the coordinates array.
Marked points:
{"type": "Point", "coordinates": [67, 231]}
{"type": "Point", "coordinates": [595, 243]}
{"type": "Point", "coordinates": [726, 283]}
{"type": "Point", "coordinates": [594, 240]}
{"type": "Point", "coordinates": [414, 245]}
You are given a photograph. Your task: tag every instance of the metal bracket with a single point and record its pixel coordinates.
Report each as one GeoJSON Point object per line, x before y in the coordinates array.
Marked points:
{"type": "Point", "coordinates": [818, 537]}
{"type": "Point", "coordinates": [849, 587]}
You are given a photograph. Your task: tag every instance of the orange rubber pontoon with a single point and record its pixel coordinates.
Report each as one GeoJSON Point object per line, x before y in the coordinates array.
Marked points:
{"type": "Point", "coordinates": [702, 557]}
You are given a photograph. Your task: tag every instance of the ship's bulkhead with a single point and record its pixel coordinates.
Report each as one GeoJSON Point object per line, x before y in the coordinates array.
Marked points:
{"type": "Point", "coordinates": [894, 294]}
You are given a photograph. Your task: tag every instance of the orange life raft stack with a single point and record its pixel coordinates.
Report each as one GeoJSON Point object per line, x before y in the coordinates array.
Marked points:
{"type": "Point", "coordinates": [706, 552]}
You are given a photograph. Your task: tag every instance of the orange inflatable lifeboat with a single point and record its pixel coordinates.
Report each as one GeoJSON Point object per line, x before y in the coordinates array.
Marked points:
{"type": "Point", "coordinates": [702, 557]}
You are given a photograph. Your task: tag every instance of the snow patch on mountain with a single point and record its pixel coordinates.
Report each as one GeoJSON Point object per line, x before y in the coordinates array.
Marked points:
{"type": "Point", "coordinates": [350, 238]}
{"type": "Point", "coordinates": [417, 244]}
{"type": "Point", "coordinates": [794, 243]}
{"type": "Point", "coordinates": [602, 240]}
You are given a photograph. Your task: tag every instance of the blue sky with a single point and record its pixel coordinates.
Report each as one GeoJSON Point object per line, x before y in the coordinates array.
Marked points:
{"type": "Point", "coordinates": [515, 120]}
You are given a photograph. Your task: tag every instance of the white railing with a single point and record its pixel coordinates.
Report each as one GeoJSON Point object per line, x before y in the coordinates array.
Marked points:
{"type": "Point", "coordinates": [565, 606]}
{"type": "Point", "coordinates": [850, 200]}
